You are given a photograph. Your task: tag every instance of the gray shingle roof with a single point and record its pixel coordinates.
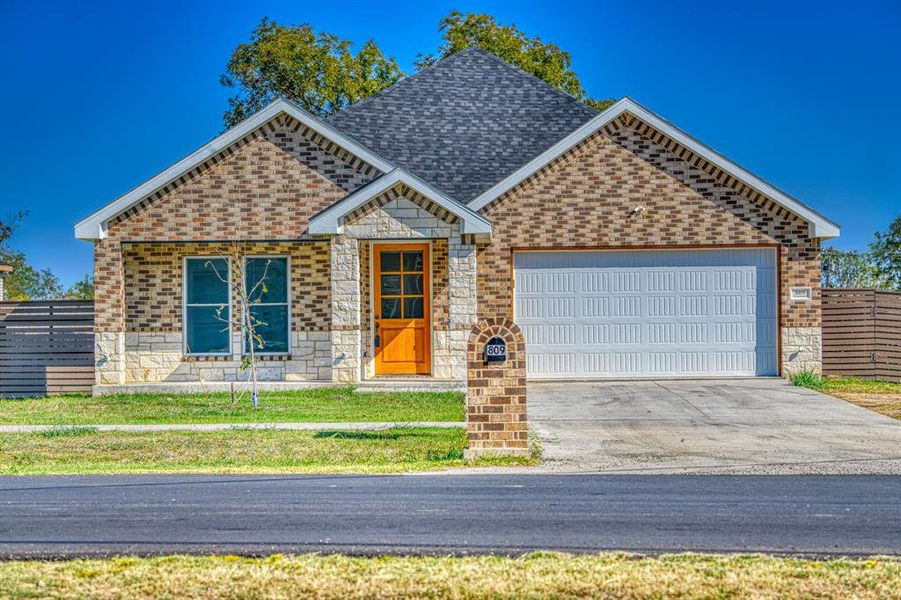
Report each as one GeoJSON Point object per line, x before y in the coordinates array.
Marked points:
{"type": "Point", "coordinates": [465, 123]}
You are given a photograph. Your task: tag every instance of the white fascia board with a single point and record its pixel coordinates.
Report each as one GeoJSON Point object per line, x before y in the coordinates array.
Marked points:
{"type": "Point", "coordinates": [94, 227]}
{"type": "Point", "coordinates": [820, 226]}
{"type": "Point", "coordinates": [329, 220]}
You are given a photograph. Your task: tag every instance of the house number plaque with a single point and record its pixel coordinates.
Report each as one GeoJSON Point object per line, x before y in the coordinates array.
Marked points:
{"type": "Point", "coordinates": [495, 350]}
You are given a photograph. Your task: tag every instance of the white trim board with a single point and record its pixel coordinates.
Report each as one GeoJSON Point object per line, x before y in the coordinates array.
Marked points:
{"type": "Point", "coordinates": [328, 221]}
{"type": "Point", "coordinates": [820, 226]}
{"type": "Point", "coordinates": [94, 226]}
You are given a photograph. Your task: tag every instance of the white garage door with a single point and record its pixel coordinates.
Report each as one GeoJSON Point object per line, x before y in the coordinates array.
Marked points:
{"type": "Point", "coordinates": [647, 313]}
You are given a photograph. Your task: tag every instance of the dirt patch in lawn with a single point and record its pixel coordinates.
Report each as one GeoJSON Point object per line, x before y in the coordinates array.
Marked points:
{"type": "Point", "coordinates": [879, 396]}
{"type": "Point", "coordinates": [886, 404]}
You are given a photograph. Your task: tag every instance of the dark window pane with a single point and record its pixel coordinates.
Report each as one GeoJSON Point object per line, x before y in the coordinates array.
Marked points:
{"type": "Point", "coordinates": [204, 280]}
{"type": "Point", "coordinates": [412, 308]}
{"type": "Point", "coordinates": [207, 333]}
{"type": "Point", "coordinates": [412, 284]}
{"type": "Point", "coordinates": [390, 261]}
{"type": "Point", "coordinates": [391, 285]}
{"type": "Point", "coordinates": [275, 273]}
{"type": "Point", "coordinates": [412, 262]}
{"type": "Point", "coordinates": [390, 308]}
{"type": "Point", "coordinates": [270, 328]}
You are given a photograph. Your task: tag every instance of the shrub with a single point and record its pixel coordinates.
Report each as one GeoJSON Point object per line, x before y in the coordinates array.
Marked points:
{"type": "Point", "coordinates": [808, 378]}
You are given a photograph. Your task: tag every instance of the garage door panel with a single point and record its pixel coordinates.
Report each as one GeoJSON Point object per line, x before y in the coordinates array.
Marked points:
{"type": "Point", "coordinates": [647, 313]}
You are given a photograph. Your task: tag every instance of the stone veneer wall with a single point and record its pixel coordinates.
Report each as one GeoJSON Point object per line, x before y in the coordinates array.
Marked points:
{"type": "Point", "coordinates": [802, 349]}
{"type": "Point", "coordinates": [408, 217]}
{"type": "Point", "coordinates": [263, 189]}
{"type": "Point", "coordinates": [586, 197]}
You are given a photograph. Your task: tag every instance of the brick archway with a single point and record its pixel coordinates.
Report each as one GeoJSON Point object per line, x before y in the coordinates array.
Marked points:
{"type": "Point", "coordinates": [496, 392]}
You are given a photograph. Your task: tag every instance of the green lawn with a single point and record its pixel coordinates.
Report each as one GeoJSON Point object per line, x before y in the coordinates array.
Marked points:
{"type": "Point", "coordinates": [88, 451]}
{"type": "Point", "coordinates": [879, 396]}
{"type": "Point", "coordinates": [323, 405]}
{"type": "Point", "coordinates": [538, 575]}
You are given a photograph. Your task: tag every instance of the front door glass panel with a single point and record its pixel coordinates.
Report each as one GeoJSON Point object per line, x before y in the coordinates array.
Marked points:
{"type": "Point", "coordinates": [402, 290]}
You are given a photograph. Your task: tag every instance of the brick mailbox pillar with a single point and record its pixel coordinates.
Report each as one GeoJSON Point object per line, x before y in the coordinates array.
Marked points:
{"type": "Point", "coordinates": [496, 392]}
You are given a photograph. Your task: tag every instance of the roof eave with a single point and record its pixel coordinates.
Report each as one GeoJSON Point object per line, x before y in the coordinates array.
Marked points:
{"type": "Point", "coordinates": [94, 226]}
{"type": "Point", "coordinates": [820, 226]}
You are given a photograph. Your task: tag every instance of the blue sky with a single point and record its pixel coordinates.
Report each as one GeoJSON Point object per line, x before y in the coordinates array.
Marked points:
{"type": "Point", "coordinates": [97, 97]}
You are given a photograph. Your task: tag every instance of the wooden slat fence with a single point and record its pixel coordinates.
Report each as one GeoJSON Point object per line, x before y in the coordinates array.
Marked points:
{"type": "Point", "coordinates": [46, 348]}
{"type": "Point", "coordinates": [862, 333]}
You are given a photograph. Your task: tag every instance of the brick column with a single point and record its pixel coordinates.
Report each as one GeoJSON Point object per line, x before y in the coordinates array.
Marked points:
{"type": "Point", "coordinates": [346, 345]}
{"type": "Point", "coordinates": [109, 313]}
{"type": "Point", "coordinates": [496, 392]}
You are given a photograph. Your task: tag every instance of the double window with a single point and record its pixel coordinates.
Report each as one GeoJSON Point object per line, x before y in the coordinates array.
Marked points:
{"type": "Point", "coordinates": [208, 310]}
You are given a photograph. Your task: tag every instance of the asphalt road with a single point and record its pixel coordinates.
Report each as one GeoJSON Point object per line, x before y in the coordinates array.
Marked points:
{"type": "Point", "coordinates": [444, 514]}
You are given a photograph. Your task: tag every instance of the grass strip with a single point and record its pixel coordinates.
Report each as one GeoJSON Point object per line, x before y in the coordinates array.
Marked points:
{"type": "Point", "coordinates": [538, 575]}
{"type": "Point", "coordinates": [319, 405]}
{"type": "Point", "coordinates": [88, 451]}
{"type": "Point", "coordinates": [879, 396]}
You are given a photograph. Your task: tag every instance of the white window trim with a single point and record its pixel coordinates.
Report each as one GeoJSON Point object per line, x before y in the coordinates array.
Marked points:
{"type": "Point", "coordinates": [184, 305]}
{"type": "Point", "coordinates": [287, 303]}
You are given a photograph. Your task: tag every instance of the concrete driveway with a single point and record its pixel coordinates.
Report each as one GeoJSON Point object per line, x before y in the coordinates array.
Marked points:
{"type": "Point", "coordinates": [708, 426]}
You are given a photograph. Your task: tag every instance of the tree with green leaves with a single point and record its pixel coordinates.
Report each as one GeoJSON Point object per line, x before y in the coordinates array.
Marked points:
{"type": "Point", "coordinates": [9, 225]}
{"type": "Point", "coordinates": [886, 254]}
{"type": "Point", "coordinates": [544, 60]}
{"type": "Point", "coordinates": [322, 74]}
{"type": "Point", "coordinates": [849, 269]}
{"type": "Point", "coordinates": [319, 71]}
{"type": "Point", "coordinates": [83, 289]}
{"type": "Point", "coordinates": [24, 282]}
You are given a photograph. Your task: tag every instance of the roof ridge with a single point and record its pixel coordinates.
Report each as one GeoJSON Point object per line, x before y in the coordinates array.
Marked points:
{"type": "Point", "coordinates": [467, 50]}
{"type": "Point", "coordinates": [393, 86]}
{"type": "Point", "coordinates": [513, 67]}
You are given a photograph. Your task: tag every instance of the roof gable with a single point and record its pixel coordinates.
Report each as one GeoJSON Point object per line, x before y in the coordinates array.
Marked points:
{"type": "Point", "coordinates": [820, 226]}
{"type": "Point", "coordinates": [464, 123]}
{"type": "Point", "coordinates": [331, 220]}
{"type": "Point", "coordinates": [95, 226]}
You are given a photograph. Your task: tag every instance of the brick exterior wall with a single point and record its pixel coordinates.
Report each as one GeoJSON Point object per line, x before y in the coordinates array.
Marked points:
{"type": "Point", "coordinates": [153, 281]}
{"type": "Point", "coordinates": [496, 392]}
{"type": "Point", "coordinates": [265, 190]}
{"type": "Point", "coordinates": [585, 199]}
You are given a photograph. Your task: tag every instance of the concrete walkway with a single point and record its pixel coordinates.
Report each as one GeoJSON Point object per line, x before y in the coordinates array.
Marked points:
{"type": "Point", "coordinates": [370, 426]}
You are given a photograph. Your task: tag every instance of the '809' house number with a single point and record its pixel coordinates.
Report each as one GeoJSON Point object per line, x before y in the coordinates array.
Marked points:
{"type": "Point", "coordinates": [495, 350]}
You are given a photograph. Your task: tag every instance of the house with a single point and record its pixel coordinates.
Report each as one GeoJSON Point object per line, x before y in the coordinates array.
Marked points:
{"type": "Point", "coordinates": [4, 269]}
{"type": "Point", "coordinates": [621, 245]}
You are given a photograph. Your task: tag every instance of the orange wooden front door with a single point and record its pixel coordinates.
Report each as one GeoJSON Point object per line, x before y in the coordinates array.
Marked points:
{"type": "Point", "coordinates": [403, 340]}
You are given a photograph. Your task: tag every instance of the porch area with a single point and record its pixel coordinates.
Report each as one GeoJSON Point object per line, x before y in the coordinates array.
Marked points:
{"type": "Point", "coordinates": [388, 301]}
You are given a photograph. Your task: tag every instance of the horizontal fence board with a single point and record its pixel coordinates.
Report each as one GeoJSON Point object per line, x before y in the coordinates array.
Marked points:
{"type": "Point", "coordinates": [862, 333]}
{"type": "Point", "coordinates": [46, 347]}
